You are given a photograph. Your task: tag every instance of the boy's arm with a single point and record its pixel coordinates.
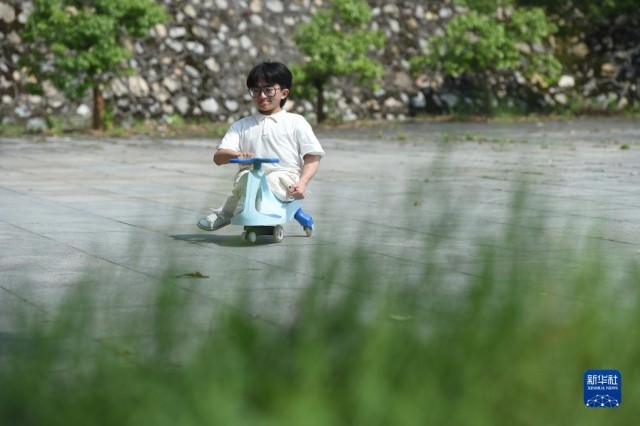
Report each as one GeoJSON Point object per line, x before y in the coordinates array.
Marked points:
{"type": "Point", "coordinates": [309, 169]}
{"type": "Point", "coordinates": [222, 156]}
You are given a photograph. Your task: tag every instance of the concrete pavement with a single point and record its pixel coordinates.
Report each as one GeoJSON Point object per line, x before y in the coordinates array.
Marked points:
{"type": "Point", "coordinates": [400, 197]}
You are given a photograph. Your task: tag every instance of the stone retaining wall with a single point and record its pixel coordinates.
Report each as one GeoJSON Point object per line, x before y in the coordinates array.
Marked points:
{"type": "Point", "coordinates": [195, 64]}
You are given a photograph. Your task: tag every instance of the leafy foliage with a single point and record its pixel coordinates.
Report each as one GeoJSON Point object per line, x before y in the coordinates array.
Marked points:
{"type": "Point", "coordinates": [596, 32]}
{"type": "Point", "coordinates": [77, 44]}
{"type": "Point", "coordinates": [337, 42]}
{"type": "Point", "coordinates": [490, 39]}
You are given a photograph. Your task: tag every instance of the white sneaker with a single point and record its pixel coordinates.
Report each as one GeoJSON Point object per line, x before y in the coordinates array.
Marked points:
{"type": "Point", "coordinates": [216, 220]}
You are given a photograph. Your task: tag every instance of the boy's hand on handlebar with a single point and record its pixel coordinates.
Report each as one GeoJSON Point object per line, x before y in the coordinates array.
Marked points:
{"type": "Point", "coordinates": [223, 156]}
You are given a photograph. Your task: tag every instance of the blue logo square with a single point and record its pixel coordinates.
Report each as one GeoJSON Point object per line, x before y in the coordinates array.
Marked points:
{"type": "Point", "coordinates": [602, 388]}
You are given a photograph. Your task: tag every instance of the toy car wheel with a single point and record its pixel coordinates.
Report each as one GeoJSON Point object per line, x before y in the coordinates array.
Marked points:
{"type": "Point", "coordinates": [278, 234]}
{"type": "Point", "coordinates": [308, 230]}
{"type": "Point", "coordinates": [252, 237]}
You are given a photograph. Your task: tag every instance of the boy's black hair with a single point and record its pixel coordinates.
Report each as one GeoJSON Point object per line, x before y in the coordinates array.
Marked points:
{"type": "Point", "coordinates": [271, 73]}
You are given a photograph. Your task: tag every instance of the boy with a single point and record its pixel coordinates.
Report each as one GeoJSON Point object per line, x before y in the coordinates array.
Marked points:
{"type": "Point", "coordinates": [272, 132]}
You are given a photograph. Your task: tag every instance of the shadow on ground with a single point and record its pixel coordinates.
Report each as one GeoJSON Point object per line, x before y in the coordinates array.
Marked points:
{"type": "Point", "coordinates": [221, 240]}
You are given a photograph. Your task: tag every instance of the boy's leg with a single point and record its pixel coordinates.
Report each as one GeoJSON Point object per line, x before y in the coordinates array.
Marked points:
{"type": "Point", "coordinates": [280, 181]}
{"type": "Point", "coordinates": [235, 202]}
{"type": "Point", "coordinates": [222, 216]}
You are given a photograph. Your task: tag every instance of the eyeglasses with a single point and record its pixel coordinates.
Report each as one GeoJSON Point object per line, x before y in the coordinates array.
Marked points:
{"type": "Point", "coordinates": [268, 91]}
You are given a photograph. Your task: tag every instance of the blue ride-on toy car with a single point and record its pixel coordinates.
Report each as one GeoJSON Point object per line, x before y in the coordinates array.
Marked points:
{"type": "Point", "coordinates": [264, 213]}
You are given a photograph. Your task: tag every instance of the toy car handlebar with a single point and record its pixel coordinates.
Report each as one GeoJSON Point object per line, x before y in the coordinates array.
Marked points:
{"type": "Point", "coordinates": [256, 162]}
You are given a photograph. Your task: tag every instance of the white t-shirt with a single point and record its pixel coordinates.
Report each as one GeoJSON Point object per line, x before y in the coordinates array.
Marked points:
{"type": "Point", "coordinates": [283, 135]}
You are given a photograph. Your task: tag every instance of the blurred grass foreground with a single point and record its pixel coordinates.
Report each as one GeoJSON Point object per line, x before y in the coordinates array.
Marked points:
{"type": "Point", "coordinates": [496, 350]}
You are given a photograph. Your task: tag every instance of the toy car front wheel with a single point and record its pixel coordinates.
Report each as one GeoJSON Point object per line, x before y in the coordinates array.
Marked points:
{"type": "Point", "coordinates": [278, 233]}
{"type": "Point", "coordinates": [251, 236]}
